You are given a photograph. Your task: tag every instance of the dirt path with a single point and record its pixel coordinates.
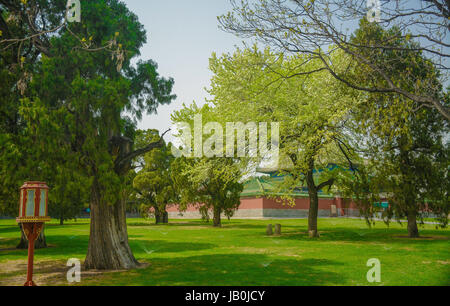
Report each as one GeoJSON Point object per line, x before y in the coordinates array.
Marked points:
{"type": "Point", "coordinates": [46, 273]}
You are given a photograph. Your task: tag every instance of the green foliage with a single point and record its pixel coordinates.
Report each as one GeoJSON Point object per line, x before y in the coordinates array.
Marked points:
{"type": "Point", "coordinates": [153, 185]}
{"type": "Point", "coordinates": [320, 28]}
{"type": "Point", "coordinates": [406, 67]}
{"type": "Point", "coordinates": [214, 183]}
{"type": "Point", "coordinates": [253, 85]}
{"type": "Point", "coordinates": [404, 145]}
{"type": "Point", "coordinates": [14, 149]}
{"type": "Point", "coordinates": [70, 127]}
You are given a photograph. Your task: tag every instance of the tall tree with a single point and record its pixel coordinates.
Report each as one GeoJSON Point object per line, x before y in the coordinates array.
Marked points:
{"type": "Point", "coordinates": [403, 141]}
{"type": "Point", "coordinates": [77, 103]}
{"type": "Point", "coordinates": [153, 184]}
{"type": "Point", "coordinates": [212, 181]}
{"type": "Point", "coordinates": [27, 33]}
{"type": "Point", "coordinates": [311, 110]}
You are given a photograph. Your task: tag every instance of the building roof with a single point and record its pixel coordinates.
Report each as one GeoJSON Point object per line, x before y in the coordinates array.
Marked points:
{"type": "Point", "coordinates": [269, 186]}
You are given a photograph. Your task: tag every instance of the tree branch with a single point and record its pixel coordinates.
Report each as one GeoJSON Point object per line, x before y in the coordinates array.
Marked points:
{"type": "Point", "coordinates": [329, 183]}
{"type": "Point", "coordinates": [124, 162]}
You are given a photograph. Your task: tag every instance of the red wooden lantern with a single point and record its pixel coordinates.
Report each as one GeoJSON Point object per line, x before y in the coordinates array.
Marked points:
{"type": "Point", "coordinates": [33, 213]}
{"type": "Point", "coordinates": [33, 203]}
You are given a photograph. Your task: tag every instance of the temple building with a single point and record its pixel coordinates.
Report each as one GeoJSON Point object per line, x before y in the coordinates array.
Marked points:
{"type": "Point", "coordinates": [260, 200]}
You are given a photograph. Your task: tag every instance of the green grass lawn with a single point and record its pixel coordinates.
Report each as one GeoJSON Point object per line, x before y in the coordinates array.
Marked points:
{"type": "Point", "coordinates": [193, 253]}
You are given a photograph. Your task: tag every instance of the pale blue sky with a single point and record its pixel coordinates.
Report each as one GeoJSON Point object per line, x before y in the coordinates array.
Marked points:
{"type": "Point", "coordinates": [182, 34]}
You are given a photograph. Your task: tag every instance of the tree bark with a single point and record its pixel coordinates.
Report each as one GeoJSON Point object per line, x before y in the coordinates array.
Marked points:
{"type": "Point", "coordinates": [108, 241]}
{"type": "Point", "coordinates": [413, 231]}
{"type": "Point", "coordinates": [216, 219]}
{"type": "Point", "coordinates": [158, 216]}
{"type": "Point", "coordinates": [408, 190]}
{"type": "Point", "coordinates": [161, 217]}
{"type": "Point", "coordinates": [166, 217]}
{"type": "Point", "coordinates": [278, 229]}
{"type": "Point", "coordinates": [40, 243]}
{"type": "Point", "coordinates": [313, 205]}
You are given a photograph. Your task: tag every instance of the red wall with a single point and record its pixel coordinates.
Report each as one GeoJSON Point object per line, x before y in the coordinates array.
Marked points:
{"type": "Point", "coordinates": [300, 203]}
{"type": "Point", "coordinates": [265, 203]}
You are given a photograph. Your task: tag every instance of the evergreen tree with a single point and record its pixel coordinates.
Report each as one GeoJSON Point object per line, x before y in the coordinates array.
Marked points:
{"type": "Point", "coordinates": [153, 185]}
{"type": "Point", "coordinates": [72, 113]}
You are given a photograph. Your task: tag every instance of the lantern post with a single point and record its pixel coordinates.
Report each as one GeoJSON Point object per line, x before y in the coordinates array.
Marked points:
{"type": "Point", "coordinates": [33, 213]}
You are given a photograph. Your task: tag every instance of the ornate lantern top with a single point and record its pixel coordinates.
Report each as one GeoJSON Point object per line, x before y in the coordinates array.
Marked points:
{"type": "Point", "coordinates": [41, 185]}
{"type": "Point", "coordinates": [33, 204]}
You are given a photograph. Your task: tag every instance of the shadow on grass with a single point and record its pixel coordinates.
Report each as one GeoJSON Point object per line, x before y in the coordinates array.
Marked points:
{"type": "Point", "coordinates": [8, 244]}
{"type": "Point", "coordinates": [230, 270]}
{"type": "Point", "coordinates": [151, 223]}
{"type": "Point", "coordinates": [59, 246]}
{"type": "Point", "coordinates": [261, 227]}
{"type": "Point", "coordinates": [6, 229]}
{"type": "Point", "coordinates": [63, 245]}
{"type": "Point", "coordinates": [162, 246]}
{"type": "Point", "coordinates": [203, 224]}
{"type": "Point", "coordinates": [69, 224]}
{"type": "Point", "coordinates": [342, 234]}
{"type": "Point", "coordinates": [328, 233]}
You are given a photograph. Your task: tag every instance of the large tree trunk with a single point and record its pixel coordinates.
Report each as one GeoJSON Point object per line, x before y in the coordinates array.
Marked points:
{"type": "Point", "coordinates": [158, 217]}
{"type": "Point", "coordinates": [313, 205]}
{"type": "Point", "coordinates": [313, 214]}
{"type": "Point", "coordinates": [161, 216]}
{"type": "Point", "coordinates": [408, 190]}
{"type": "Point", "coordinates": [413, 231]}
{"type": "Point", "coordinates": [216, 218]}
{"type": "Point", "coordinates": [108, 241]}
{"type": "Point", "coordinates": [40, 243]}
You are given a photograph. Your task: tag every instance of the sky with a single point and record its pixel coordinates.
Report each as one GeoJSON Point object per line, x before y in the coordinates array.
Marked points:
{"type": "Point", "coordinates": [182, 35]}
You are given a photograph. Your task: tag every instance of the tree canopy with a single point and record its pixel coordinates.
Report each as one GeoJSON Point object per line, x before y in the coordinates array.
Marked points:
{"type": "Point", "coordinates": [318, 28]}
{"type": "Point", "coordinates": [79, 110]}
{"type": "Point", "coordinates": [153, 184]}
{"type": "Point", "coordinates": [402, 142]}
{"type": "Point", "coordinates": [311, 109]}
{"type": "Point", "coordinates": [212, 183]}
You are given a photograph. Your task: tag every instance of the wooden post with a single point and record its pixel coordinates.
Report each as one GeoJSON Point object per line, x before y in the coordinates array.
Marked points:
{"type": "Point", "coordinates": [29, 282]}
{"type": "Point", "coordinates": [32, 231]}
{"type": "Point", "coordinates": [269, 231]}
{"type": "Point", "coordinates": [278, 229]}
